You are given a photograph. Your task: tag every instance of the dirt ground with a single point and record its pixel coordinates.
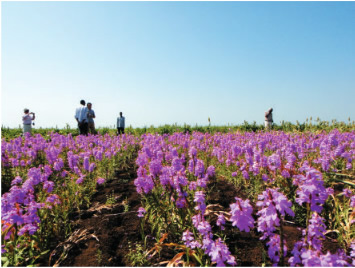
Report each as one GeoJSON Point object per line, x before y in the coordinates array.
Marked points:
{"type": "Point", "coordinates": [103, 232]}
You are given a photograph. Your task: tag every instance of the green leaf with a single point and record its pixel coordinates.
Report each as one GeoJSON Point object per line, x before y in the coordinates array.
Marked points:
{"type": "Point", "coordinates": [44, 252]}
{"type": "Point", "coordinates": [197, 258]}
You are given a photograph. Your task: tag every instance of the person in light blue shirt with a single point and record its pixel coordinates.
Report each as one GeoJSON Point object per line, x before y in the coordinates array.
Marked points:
{"type": "Point", "coordinates": [91, 116]}
{"type": "Point", "coordinates": [120, 124]}
{"type": "Point", "coordinates": [81, 118]}
{"type": "Point", "coordinates": [27, 120]}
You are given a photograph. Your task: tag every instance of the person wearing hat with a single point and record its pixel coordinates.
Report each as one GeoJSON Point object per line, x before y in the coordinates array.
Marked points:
{"type": "Point", "coordinates": [268, 119]}
{"type": "Point", "coordinates": [27, 119]}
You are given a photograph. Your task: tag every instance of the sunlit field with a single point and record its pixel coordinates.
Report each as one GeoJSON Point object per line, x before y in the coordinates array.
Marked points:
{"type": "Point", "coordinates": [180, 196]}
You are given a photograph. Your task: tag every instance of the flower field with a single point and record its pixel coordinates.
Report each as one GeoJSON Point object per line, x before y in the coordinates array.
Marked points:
{"type": "Point", "coordinates": [224, 199]}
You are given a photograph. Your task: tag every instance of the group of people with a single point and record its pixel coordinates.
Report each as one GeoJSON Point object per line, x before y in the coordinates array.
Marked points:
{"type": "Point", "coordinates": [85, 115]}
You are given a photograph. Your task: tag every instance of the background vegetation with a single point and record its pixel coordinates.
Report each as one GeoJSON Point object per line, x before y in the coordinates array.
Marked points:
{"type": "Point", "coordinates": [309, 125]}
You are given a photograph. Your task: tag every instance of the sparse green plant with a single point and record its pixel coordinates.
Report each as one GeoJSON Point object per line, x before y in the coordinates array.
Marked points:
{"type": "Point", "coordinates": [99, 256]}
{"type": "Point", "coordinates": [110, 199]}
{"type": "Point", "coordinates": [137, 255]}
{"type": "Point", "coordinates": [126, 205]}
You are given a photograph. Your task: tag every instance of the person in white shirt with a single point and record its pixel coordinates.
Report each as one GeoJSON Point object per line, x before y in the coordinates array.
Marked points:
{"type": "Point", "coordinates": [81, 118]}
{"type": "Point", "coordinates": [120, 124]}
{"type": "Point", "coordinates": [268, 119]}
{"type": "Point", "coordinates": [27, 119]}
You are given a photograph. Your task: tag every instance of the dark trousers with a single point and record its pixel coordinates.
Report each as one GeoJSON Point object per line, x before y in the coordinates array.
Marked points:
{"type": "Point", "coordinates": [120, 130]}
{"type": "Point", "coordinates": [83, 128]}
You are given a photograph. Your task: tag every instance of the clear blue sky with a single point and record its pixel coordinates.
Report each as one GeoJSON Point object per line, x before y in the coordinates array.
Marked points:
{"type": "Point", "coordinates": [177, 62]}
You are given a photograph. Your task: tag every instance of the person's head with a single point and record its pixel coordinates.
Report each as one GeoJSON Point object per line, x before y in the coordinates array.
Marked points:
{"type": "Point", "coordinates": [82, 102]}
{"type": "Point", "coordinates": [270, 110]}
{"type": "Point", "coordinates": [26, 111]}
{"type": "Point", "coordinates": [120, 114]}
{"type": "Point", "coordinates": [89, 105]}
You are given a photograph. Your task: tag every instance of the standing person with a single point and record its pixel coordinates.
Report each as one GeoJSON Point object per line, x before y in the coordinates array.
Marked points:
{"type": "Point", "coordinates": [91, 116]}
{"type": "Point", "coordinates": [268, 119]}
{"type": "Point", "coordinates": [81, 118]}
{"type": "Point", "coordinates": [120, 124]}
{"type": "Point", "coordinates": [27, 120]}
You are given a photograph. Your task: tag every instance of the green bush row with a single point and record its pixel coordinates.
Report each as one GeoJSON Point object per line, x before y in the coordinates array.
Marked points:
{"type": "Point", "coordinates": [318, 125]}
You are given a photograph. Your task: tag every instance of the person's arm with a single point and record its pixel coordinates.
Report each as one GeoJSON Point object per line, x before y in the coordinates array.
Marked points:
{"type": "Point", "coordinates": [76, 116]}
{"type": "Point", "coordinates": [33, 116]}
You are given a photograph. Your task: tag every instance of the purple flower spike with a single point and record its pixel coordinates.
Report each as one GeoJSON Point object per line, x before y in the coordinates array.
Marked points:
{"type": "Point", "coordinates": [241, 214]}
{"type": "Point", "coordinates": [274, 248]}
{"type": "Point", "coordinates": [221, 221]}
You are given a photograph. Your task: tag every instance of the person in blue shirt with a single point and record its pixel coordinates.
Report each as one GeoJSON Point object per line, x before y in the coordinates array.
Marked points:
{"type": "Point", "coordinates": [91, 116]}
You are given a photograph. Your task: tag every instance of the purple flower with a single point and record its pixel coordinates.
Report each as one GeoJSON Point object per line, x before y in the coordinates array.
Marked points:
{"type": "Point", "coordinates": [221, 221]}
{"type": "Point", "coordinates": [181, 202]}
{"type": "Point", "coordinates": [352, 253]}
{"type": "Point", "coordinates": [155, 167]}
{"type": "Point", "coordinates": [192, 185]}
{"type": "Point", "coordinates": [241, 214]}
{"type": "Point", "coordinates": [58, 164]}
{"type": "Point", "coordinates": [274, 162]}
{"type": "Point", "coordinates": [48, 185]}
{"type": "Point", "coordinates": [316, 230]}
{"type": "Point", "coordinates": [144, 183]}
{"type": "Point", "coordinates": [92, 167]}
{"type": "Point", "coordinates": [265, 177]}
{"type": "Point", "coordinates": [285, 174]}
{"type": "Point", "coordinates": [296, 254]}
{"type": "Point", "coordinates": [80, 180]}
{"type": "Point", "coordinates": [199, 197]}
{"type": "Point", "coordinates": [245, 174]}
{"type": "Point", "coordinates": [54, 199]}
{"type": "Point", "coordinates": [100, 180]}
{"type": "Point", "coordinates": [141, 212]}
{"type": "Point", "coordinates": [177, 164]}
{"type": "Point", "coordinates": [17, 180]}
{"type": "Point", "coordinates": [210, 172]}
{"type": "Point", "coordinates": [352, 201]}
{"type": "Point", "coordinates": [199, 169]}
{"type": "Point", "coordinates": [189, 241]}
{"type": "Point", "coordinates": [274, 205]}
{"type": "Point", "coordinates": [220, 254]}
{"type": "Point", "coordinates": [30, 228]}
{"type": "Point", "coordinates": [191, 166]}
{"type": "Point", "coordinates": [311, 189]}
{"type": "Point", "coordinates": [274, 246]}
{"type": "Point", "coordinates": [192, 152]}
{"type": "Point", "coordinates": [86, 163]}
{"type": "Point", "coordinates": [347, 192]}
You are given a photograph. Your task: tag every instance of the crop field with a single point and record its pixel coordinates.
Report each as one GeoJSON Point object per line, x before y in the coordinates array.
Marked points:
{"type": "Point", "coordinates": [180, 198]}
